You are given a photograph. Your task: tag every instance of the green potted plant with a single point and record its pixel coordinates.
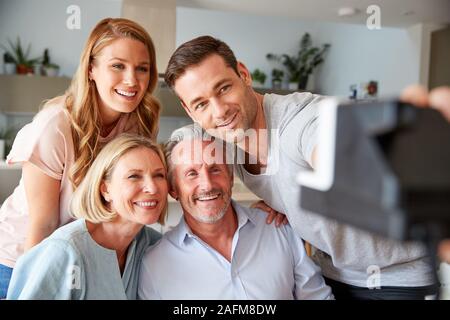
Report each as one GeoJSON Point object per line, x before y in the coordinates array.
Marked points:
{"type": "Point", "coordinates": [9, 66]}
{"type": "Point", "coordinates": [49, 69]}
{"type": "Point", "coordinates": [259, 77]}
{"type": "Point", "coordinates": [277, 78]}
{"type": "Point", "coordinates": [301, 66]}
{"type": "Point", "coordinates": [20, 57]}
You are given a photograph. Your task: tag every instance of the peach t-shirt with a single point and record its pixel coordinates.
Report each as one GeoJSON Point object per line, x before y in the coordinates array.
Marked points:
{"type": "Point", "coordinates": [47, 143]}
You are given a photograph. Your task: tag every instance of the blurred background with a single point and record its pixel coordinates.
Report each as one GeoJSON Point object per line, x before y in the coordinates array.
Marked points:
{"type": "Point", "coordinates": [352, 48]}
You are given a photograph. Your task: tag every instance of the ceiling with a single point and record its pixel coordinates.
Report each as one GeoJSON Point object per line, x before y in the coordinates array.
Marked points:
{"type": "Point", "coordinates": [394, 13]}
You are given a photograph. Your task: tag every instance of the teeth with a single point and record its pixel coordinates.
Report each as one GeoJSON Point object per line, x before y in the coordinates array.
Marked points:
{"type": "Point", "coordinates": [126, 93]}
{"type": "Point", "coordinates": [206, 198]}
{"type": "Point", "coordinates": [146, 203]}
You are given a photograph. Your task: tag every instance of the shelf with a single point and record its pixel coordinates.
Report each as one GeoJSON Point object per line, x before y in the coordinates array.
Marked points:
{"type": "Point", "coordinates": [276, 91]}
{"type": "Point", "coordinates": [170, 104]}
{"type": "Point", "coordinates": [23, 93]}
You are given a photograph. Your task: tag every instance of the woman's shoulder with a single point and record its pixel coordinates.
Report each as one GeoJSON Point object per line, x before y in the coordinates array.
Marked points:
{"type": "Point", "coordinates": [67, 239]}
{"type": "Point", "coordinates": [70, 231]}
{"type": "Point", "coordinates": [54, 111]}
{"type": "Point", "coordinates": [54, 250]}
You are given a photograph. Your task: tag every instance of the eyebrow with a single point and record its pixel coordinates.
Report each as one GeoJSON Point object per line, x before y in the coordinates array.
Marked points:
{"type": "Point", "coordinates": [124, 60]}
{"type": "Point", "coordinates": [140, 170]}
{"type": "Point", "coordinates": [216, 86]}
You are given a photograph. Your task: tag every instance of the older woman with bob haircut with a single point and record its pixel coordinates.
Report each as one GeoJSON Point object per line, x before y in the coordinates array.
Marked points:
{"type": "Point", "coordinates": [111, 93]}
{"type": "Point", "coordinates": [98, 256]}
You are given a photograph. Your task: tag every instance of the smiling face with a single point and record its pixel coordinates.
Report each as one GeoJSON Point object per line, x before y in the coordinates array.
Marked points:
{"type": "Point", "coordinates": [217, 98]}
{"type": "Point", "coordinates": [202, 186]}
{"type": "Point", "coordinates": [121, 74]}
{"type": "Point", "coordinates": [137, 190]}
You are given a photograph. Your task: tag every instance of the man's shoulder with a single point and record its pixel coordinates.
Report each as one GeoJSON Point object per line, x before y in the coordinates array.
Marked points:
{"type": "Point", "coordinates": [292, 101]}
{"type": "Point", "coordinates": [288, 98]}
{"type": "Point", "coordinates": [281, 109]}
{"type": "Point", "coordinates": [258, 217]}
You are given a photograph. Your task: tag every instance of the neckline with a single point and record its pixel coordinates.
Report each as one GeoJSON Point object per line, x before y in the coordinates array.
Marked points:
{"type": "Point", "coordinates": [269, 138]}
{"type": "Point", "coordinates": [114, 130]}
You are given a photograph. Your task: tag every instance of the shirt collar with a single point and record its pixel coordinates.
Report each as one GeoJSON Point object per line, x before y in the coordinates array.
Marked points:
{"type": "Point", "coordinates": [183, 231]}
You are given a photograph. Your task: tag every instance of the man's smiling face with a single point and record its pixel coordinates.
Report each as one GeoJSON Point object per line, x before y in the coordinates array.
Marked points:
{"type": "Point", "coordinates": [217, 98]}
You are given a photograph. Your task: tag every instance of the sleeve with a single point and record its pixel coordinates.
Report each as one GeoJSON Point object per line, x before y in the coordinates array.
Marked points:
{"type": "Point", "coordinates": [146, 287]}
{"type": "Point", "coordinates": [309, 283]}
{"type": "Point", "coordinates": [43, 142]}
{"type": "Point", "coordinates": [50, 271]}
{"type": "Point", "coordinates": [302, 128]}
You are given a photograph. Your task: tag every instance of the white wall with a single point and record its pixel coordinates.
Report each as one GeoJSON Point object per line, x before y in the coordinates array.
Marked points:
{"type": "Point", "coordinates": [43, 24]}
{"type": "Point", "coordinates": [357, 54]}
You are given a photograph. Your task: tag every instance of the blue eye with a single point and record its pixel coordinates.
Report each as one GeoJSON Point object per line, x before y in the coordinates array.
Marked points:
{"type": "Point", "coordinates": [224, 88]}
{"type": "Point", "coordinates": [215, 170]}
{"type": "Point", "coordinates": [143, 69]}
{"type": "Point", "coordinates": [191, 174]}
{"type": "Point", "coordinates": [118, 66]}
{"type": "Point", "coordinates": [200, 105]}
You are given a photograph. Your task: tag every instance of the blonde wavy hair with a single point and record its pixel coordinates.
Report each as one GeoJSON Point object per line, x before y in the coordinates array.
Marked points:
{"type": "Point", "coordinates": [81, 97]}
{"type": "Point", "coordinates": [87, 201]}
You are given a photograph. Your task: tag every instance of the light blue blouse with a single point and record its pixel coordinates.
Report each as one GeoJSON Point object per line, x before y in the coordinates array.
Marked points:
{"type": "Point", "coordinates": [71, 265]}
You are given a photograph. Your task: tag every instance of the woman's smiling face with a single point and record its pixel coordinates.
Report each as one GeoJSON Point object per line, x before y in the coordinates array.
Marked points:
{"type": "Point", "coordinates": [121, 75]}
{"type": "Point", "coordinates": [137, 190]}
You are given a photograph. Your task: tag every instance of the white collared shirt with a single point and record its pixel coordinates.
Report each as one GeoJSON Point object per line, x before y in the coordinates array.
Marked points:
{"type": "Point", "coordinates": [266, 263]}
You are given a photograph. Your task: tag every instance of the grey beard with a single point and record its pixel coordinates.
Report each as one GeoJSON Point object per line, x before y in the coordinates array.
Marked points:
{"type": "Point", "coordinates": [214, 218]}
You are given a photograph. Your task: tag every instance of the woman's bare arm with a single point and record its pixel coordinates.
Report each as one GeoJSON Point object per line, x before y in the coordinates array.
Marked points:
{"type": "Point", "coordinates": [42, 193]}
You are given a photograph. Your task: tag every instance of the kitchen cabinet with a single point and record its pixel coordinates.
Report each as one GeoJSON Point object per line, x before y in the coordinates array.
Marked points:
{"type": "Point", "coordinates": [25, 94]}
{"type": "Point", "coordinates": [170, 104]}
{"type": "Point", "coordinates": [20, 93]}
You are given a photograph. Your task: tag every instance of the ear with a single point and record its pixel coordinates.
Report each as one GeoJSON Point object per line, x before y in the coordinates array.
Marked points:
{"type": "Point", "coordinates": [104, 191]}
{"type": "Point", "coordinates": [90, 74]}
{"type": "Point", "coordinates": [173, 194]}
{"type": "Point", "coordinates": [244, 73]}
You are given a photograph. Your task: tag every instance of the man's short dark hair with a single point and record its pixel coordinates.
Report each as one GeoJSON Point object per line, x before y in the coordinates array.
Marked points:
{"type": "Point", "coordinates": [194, 52]}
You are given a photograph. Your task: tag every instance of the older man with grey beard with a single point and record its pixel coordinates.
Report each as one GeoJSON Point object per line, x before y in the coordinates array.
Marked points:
{"type": "Point", "coordinates": [221, 250]}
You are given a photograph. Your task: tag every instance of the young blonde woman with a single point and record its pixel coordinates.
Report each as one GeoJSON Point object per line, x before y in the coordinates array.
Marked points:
{"type": "Point", "coordinates": [98, 256]}
{"type": "Point", "coordinates": [110, 93]}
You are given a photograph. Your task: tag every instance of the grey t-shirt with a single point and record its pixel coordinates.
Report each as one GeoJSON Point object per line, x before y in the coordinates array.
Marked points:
{"type": "Point", "coordinates": [345, 254]}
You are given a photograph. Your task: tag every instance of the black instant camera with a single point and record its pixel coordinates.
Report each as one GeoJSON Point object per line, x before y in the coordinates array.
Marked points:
{"type": "Point", "coordinates": [383, 167]}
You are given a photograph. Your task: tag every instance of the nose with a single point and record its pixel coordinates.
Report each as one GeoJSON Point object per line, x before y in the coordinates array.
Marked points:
{"type": "Point", "coordinates": [150, 186]}
{"type": "Point", "coordinates": [205, 183]}
{"type": "Point", "coordinates": [130, 78]}
{"type": "Point", "coordinates": [219, 109]}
